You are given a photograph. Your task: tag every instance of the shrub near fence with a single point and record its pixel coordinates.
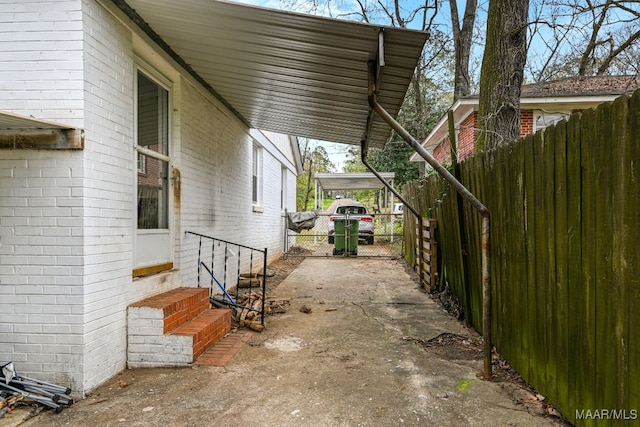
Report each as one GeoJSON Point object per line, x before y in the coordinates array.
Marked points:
{"type": "Point", "coordinates": [565, 263]}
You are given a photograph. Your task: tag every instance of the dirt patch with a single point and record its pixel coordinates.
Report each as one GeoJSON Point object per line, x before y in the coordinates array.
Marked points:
{"type": "Point", "coordinates": [280, 269]}
{"type": "Point", "coordinates": [456, 347]}
{"type": "Point", "coordinates": [449, 302]}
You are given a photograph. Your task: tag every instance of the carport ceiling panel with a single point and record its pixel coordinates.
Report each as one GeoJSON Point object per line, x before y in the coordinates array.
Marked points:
{"type": "Point", "coordinates": [352, 181]}
{"type": "Point", "coordinates": [285, 72]}
{"type": "Point", "coordinates": [346, 184]}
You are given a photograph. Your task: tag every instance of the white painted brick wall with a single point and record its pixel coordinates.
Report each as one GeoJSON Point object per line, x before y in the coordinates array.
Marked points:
{"type": "Point", "coordinates": [147, 344]}
{"type": "Point", "coordinates": [41, 272]}
{"type": "Point", "coordinates": [108, 193]}
{"type": "Point", "coordinates": [56, 304]}
{"type": "Point", "coordinates": [66, 218]}
{"type": "Point", "coordinates": [269, 221]}
{"type": "Point", "coordinates": [282, 144]}
{"type": "Point", "coordinates": [169, 350]}
{"type": "Point", "coordinates": [41, 56]}
{"type": "Point", "coordinates": [215, 160]}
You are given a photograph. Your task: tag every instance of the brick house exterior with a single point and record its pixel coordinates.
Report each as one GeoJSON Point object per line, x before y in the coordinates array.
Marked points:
{"type": "Point", "coordinates": [69, 245]}
{"type": "Point", "coordinates": [541, 104]}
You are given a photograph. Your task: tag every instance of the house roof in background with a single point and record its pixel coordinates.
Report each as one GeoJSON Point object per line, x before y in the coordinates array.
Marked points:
{"type": "Point", "coordinates": [559, 95]}
{"type": "Point", "coordinates": [583, 85]}
{"type": "Point", "coordinates": [578, 86]}
{"type": "Point", "coordinates": [285, 72]}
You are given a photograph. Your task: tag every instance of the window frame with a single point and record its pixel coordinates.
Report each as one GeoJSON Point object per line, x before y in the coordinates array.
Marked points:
{"type": "Point", "coordinates": [560, 115]}
{"type": "Point", "coordinates": [160, 239]}
{"type": "Point", "coordinates": [142, 163]}
{"type": "Point", "coordinates": [257, 177]}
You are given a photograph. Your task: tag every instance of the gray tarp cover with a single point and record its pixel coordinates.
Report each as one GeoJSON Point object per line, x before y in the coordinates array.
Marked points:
{"type": "Point", "coordinates": [299, 221]}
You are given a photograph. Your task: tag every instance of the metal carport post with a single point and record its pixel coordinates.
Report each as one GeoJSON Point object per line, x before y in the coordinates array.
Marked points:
{"type": "Point", "coordinates": [363, 155]}
{"type": "Point", "coordinates": [461, 189]}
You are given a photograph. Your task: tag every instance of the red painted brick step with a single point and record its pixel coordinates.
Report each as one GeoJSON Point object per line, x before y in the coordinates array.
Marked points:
{"type": "Point", "coordinates": [206, 329]}
{"type": "Point", "coordinates": [178, 305]}
{"type": "Point", "coordinates": [222, 352]}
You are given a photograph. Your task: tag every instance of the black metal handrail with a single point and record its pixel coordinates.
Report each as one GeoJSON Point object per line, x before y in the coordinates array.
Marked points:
{"type": "Point", "coordinates": [226, 248]}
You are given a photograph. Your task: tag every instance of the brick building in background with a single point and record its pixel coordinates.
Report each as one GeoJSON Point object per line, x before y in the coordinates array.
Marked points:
{"type": "Point", "coordinates": [541, 105]}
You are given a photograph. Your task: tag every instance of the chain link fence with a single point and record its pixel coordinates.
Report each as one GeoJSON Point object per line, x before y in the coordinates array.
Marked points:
{"type": "Point", "coordinates": [387, 239]}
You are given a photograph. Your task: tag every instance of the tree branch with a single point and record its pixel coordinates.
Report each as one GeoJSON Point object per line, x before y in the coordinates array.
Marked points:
{"type": "Point", "coordinates": [587, 56]}
{"type": "Point", "coordinates": [613, 54]}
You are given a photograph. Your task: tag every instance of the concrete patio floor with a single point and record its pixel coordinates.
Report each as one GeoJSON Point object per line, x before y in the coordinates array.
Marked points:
{"type": "Point", "coordinates": [356, 359]}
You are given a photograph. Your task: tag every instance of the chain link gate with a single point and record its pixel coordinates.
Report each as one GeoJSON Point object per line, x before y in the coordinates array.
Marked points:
{"type": "Point", "coordinates": [388, 238]}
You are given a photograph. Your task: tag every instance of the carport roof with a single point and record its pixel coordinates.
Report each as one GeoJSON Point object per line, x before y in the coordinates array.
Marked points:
{"type": "Point", "coordinates": [286, 72]}
{"type": "Point", "coordinates": [352, 181]}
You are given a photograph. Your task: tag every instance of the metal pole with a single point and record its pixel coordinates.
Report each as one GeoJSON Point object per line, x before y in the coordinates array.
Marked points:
{"type": "Point", "coordinates": [363, 155]}
{"type": "Point", "coordinates": [315, 205]}
{"type": "Point", "coordinates": [315, 194]}
{"type": "Point", "coordinates": [286, 232]}
{"type": "Point", "coordinates": [264, 285]}
{"type": "Point", "coordinates": [199, 252]}
{"type": "Point", "coordinates": [464, 192]}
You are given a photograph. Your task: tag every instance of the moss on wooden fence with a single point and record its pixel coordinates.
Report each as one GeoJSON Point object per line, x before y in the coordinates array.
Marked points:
{"type": "Point", "coordinates": [565, 256]}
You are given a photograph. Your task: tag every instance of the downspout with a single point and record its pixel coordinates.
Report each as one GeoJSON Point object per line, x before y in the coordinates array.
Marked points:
{"type": "Point", "coordinates": [464, 192]}
{"type": "Point", "coordinates": [363, 154]}
{"type": "Point", "coordinates": [364, 150]}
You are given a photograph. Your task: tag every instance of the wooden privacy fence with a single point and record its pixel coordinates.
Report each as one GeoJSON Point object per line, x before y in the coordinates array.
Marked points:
{"type": "Point", "coordinates": [565, 262]}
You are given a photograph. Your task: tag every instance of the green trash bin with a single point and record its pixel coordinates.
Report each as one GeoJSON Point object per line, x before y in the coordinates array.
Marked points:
{"type": "Point", "coordinates": [346, 237]}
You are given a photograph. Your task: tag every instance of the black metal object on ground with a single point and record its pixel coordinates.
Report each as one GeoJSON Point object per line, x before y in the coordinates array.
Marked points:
{"type": "Point", "coordinates": [14, 387]}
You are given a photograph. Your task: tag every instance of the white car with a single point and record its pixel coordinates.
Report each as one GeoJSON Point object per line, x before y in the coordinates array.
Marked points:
{"type": "Point", "coordinates": [353, 211]}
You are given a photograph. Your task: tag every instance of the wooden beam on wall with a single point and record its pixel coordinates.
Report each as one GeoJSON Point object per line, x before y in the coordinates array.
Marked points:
{"type": "Point", "coordinates": [42, 139]}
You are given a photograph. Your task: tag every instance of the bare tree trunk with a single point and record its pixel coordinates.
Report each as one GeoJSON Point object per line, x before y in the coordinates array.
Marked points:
{"type": "Point", "coordinates": [462, 37]}
{"type": "Point", "coordinates": [502, 73]}
{"type": "Point", "coordinates": [417, 93]}
{"type": "Point", "coordinates": [309, 177]}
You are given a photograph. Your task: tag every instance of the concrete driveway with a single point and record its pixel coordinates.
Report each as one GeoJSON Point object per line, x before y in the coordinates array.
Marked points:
{"type": "Point", "coordinates": [354, 356]}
